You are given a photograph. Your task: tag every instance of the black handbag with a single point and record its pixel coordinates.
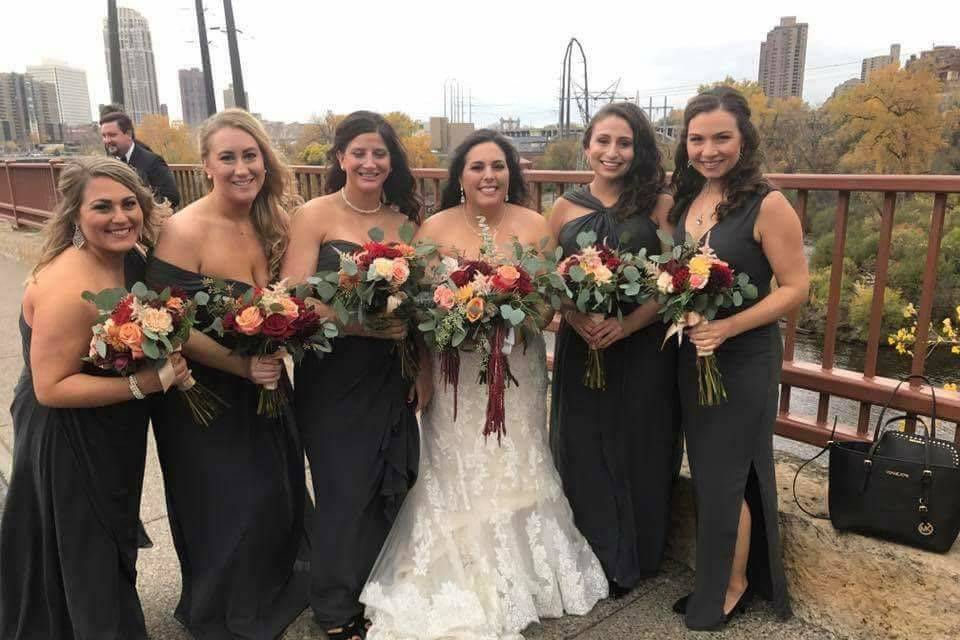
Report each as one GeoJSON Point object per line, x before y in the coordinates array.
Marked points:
{"type": "Point", "coordinates": [900, 487]}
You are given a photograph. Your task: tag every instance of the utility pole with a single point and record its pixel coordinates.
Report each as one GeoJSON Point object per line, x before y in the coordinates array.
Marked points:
{"type": "Point", "coordinates": [116, 72]}
{"type": "Point", "coordinates": [205, 60]}
{"type": "Point", "coordinates": [239, 95]}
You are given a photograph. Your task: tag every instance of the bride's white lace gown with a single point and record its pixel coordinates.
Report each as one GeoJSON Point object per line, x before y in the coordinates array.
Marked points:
{"type": "Point", "coordinates": [485, 543]}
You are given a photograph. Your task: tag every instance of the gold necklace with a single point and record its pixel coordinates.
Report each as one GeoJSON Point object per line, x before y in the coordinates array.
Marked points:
{"type": "Point", "coordinates": [343, 194]}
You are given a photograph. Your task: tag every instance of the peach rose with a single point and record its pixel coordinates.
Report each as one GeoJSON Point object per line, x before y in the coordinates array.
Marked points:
{"type": "Point", "coordinates": [290, 308]}
{"type": "Point", "coordinates": [401, 271]}
{"type": "Point", "coordinates": [698, 281]}
{"type": "Point", "coordinates": [444, 297]}
{"type": "Point", "coordinates": [157, 321]}
{"type": "Point", "coordinates": [249, 321]}
{"type": "Point", "coordinates": [130, 335]}
{"type": "Point", "coordinates": [475, 309]}
{"type": "Point", "coordinates": [175, 304]}
{"type": "Point", "coordinates": [383, 267]}
{"type": "Point", "coordinates": [508, 274]}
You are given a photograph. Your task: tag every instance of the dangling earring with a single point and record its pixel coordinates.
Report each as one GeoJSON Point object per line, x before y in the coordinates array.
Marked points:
{"type": "Point", "coordinates": [78, 238]}
{"type": "Point", "coordinates": [463, 196]}
{"type": "Point", "coordinates": [689, 164]}
{"type": "Point", "coordinates": [740, 154]}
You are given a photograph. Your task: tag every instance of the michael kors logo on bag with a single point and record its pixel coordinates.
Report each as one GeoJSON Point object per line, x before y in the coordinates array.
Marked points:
{"type": "Point", "coordinates": [898, 474]}
{"type": "Point", "coordinates": [925, 529]}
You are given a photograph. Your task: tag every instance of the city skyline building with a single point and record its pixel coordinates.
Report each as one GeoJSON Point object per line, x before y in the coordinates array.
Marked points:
{"type": "Point", "coordinates": [783, 57]}
{"type": "Point", "coordinates": [72, 90]}
{"type": "Point", "coordinates": [875, 63]}
{"type": "Point", "coordinates": [193, 97]}
{"type": "Point", "coordinates": [229, 102]}
{"type": "Point", "coordinates": [140, 95]}
{"type": "Point", "coordinates": [28, 111]}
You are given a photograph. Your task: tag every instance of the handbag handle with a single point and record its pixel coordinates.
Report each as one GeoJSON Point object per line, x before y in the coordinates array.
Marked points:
{"type": "Point", "coordinates": [796, 476]}
{"type": "Point", "coordinates": [932, 431]}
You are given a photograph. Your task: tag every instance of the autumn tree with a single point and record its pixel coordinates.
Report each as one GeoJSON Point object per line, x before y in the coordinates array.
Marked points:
{"type": "Point", "coordinates": [892, 122]}
{"type": "Point", "coordinates": [418, 151]}
{"type": "Point", "coordinates": [319, 130]}
{"type": "Point", "coordinates": [177, 145]}
{"type": "Point", "coordinates": [561, 155]}
{"type": "Point", "coordinates": [404, 125]}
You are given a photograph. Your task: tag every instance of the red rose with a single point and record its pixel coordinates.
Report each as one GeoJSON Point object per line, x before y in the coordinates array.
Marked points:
{"type": "Point", "coordinates": [276, 325]}
{"type": "Point", "coordinates": [123, 311]}
{"type": "Point", "coordinates": [671, 266]}
{"type": "Point", "coordinates": [461, 277]}
{"type": "Point", "coordinates": [306, 323]}
{"type": "Point", "coordinates": [228, 321]}
{"type": "Point", "coordinates": [524, 283]}
{"type": "Point", "coordinates": [721, 277]}
{"type": "Point", "coordinates": [680, 277]}
{"type": "Point", "coordinates": [178, 292]}
{"type": "Point", "coordinates": [609, 258]}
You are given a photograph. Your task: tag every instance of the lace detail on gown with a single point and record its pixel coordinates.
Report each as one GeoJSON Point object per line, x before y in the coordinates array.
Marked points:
{"type": "Point", "coordinates": [485, 543]}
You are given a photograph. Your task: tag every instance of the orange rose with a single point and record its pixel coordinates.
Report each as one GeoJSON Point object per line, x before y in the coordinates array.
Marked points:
{"type": "Point", "coordinates": [290, 308]}
{"type": "Point", "coordinates": [508, 274]}
{"type": "Point", "coordinates": [249, 321]}
{"type": "Point", "coordinates": [175, 304]}
{"type": "Point", "coordinates": [474, 309]}
{"type": "Point", "coordinates": [130, 335]}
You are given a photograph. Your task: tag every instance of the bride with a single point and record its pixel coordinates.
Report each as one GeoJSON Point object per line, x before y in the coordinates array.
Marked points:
{"type": "Point", "coordinates": [485, 543]}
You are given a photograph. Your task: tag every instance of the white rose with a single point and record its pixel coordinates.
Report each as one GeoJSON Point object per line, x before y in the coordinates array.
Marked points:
{"type": "Point", "coordinates": [157, 321]}
{"type": "Point", "coordinates": [665, 283]}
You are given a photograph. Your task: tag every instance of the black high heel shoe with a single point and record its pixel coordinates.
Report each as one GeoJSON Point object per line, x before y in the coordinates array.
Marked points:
{"type": "Point", "coordinates": [617, 592]}
{"type": "Point", "coordinates": [680, 606]}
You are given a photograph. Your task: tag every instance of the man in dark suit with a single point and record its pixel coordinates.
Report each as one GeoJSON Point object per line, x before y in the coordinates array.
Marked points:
{"type": "Point", "coordinates": [116, 131]}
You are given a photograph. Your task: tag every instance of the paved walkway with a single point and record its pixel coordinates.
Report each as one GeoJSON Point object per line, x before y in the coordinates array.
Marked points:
{"type": "Point", "coordinates": [645, 613]}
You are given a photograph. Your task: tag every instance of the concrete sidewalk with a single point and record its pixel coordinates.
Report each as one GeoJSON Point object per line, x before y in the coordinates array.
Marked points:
{"type": "Point", "coordinates": [645, 613]}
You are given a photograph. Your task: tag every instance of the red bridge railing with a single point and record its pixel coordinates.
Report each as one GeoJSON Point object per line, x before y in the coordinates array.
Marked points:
{"type": "Point", "coordinates": [27, 195]}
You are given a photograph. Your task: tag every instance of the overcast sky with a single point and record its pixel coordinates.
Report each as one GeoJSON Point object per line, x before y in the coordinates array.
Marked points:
{"type": "Point", "coordinates": [302, 57]}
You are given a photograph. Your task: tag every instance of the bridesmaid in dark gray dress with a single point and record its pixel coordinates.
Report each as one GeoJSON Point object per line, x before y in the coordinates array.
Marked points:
{"type": "Point", "coordinates": [70, 533]}
{"type": "Point", "coordinates": [615, 448]}
{"type": "Point", "coordinates": [722, 198]}
{"type": "Point", "coordinates": [355, 411]}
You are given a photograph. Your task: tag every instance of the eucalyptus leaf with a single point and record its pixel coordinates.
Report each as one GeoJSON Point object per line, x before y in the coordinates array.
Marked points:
{"type": "Point", "coordinates": [376, 234]}
{"type": "Point", "coordinates": [429, 324]}
{"type": "Point", "coordinates": [201, 298]}
{"type": "Point", "coordinates": [586, 238]}
{"type": "Point", "coordinates": [666, 239]}
{"type": "Point", "coordinates": [325, 290]}
{"type": "Point", "coordinates": [101, 348]}
{"type": "Point", "coordinates": [342, 314]}
{"type": "Point", "coordinates": [737, 298]}
{"type": "Point", "coordinates": [407, 231]}
{"type": "Point", "coordinates": [750, 291]}
{"type": "Point", "coordinates": [577, 274]}
{"type": "Point", "coordinates": [349, 268]}
{"type": "Point", "coordinates": [139, 289]}
{"type": "Point", "coordinates": [631, 273]}
{"type": "Point", "coordinates": [150, 349]}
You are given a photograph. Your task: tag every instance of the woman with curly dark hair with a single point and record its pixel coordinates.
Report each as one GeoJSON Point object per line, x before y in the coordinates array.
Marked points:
{"type": "Point", "coordinates": [723, 199]}
{"type": "Point", "coordinates": [614, 447]}
{"type": "Point", "coordinates": [355, 410]}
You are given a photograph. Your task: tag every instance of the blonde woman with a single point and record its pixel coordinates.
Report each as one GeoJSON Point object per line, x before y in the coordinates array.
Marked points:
{"type": "Point", "coordinates": [235, 490]}
{"type": "Point", "coordinates": [68, 540]}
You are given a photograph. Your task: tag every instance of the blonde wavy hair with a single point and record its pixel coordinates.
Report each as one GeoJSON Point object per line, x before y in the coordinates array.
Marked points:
{"type": "Point", "coordinates": [277, 198]}
{"type": "Point", "coordinates": [74, 178]}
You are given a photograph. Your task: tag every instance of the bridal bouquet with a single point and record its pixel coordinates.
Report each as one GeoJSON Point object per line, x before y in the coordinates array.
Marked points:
{"type": "Point", "coordinates": [599, 281]}
{"type": "Point", "coordinates": [142, 326]}
{"type": "Point", "coordinates": [692, 285]}
{"type": "Point", "coordinates": [480, 305]}
{"type": "Point", "coordinates": [379, 282]}
{"type": "Point", "coordinates": [263, 321]}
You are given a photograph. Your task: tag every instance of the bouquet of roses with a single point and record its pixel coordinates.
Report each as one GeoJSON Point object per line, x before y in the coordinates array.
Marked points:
{"type": "Point", "coordinates": [142, 326]}
{"type": "Point", "coordinates": [263, 321]}
{"type": "Point", "coordinates": [600, 281]}
{"type": "Point", "coordinates": [480, 305]}
{"type": "Point", "coordinates": [692, 285]}
{"type": "Point", "coordinates": [380, 282]}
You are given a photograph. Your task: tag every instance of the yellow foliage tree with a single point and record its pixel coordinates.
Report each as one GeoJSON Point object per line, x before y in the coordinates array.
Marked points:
{"type": "Point", "coordinates": [175, 144]}
{"type": "Point", "coordinates": [561, 155]}
{"type": "Point", "coordinates": [418, 151]}
{"type": "Point", "coordinates": [893, 122]}
{"type": "Point", "coordinates": [320, 130]}
{"type": "Point", "coordinates": [404, 125]}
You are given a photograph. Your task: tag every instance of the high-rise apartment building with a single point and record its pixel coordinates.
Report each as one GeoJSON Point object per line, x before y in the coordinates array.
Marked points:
{"type": "Point", "coordinates": [229, 102]}
{"type": "Point", "coordinates": [193, 96]}
{"type": "Point", "coordinates": [783, 57]}
{"type": "Point", "coordinates": [73, 95]}
{"type": "Point", "coordinates": [28, 110]}
{"type": "Point", "coordinates": [876, 63]}
{"type": "Point", "coordinates": [139, 73]}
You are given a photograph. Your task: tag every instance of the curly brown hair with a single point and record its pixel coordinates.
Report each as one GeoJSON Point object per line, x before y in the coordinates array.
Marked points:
{"type": "Point", "coordinates": [744, 180]}
{"type": "Point", "coordinates": [645, 180]}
